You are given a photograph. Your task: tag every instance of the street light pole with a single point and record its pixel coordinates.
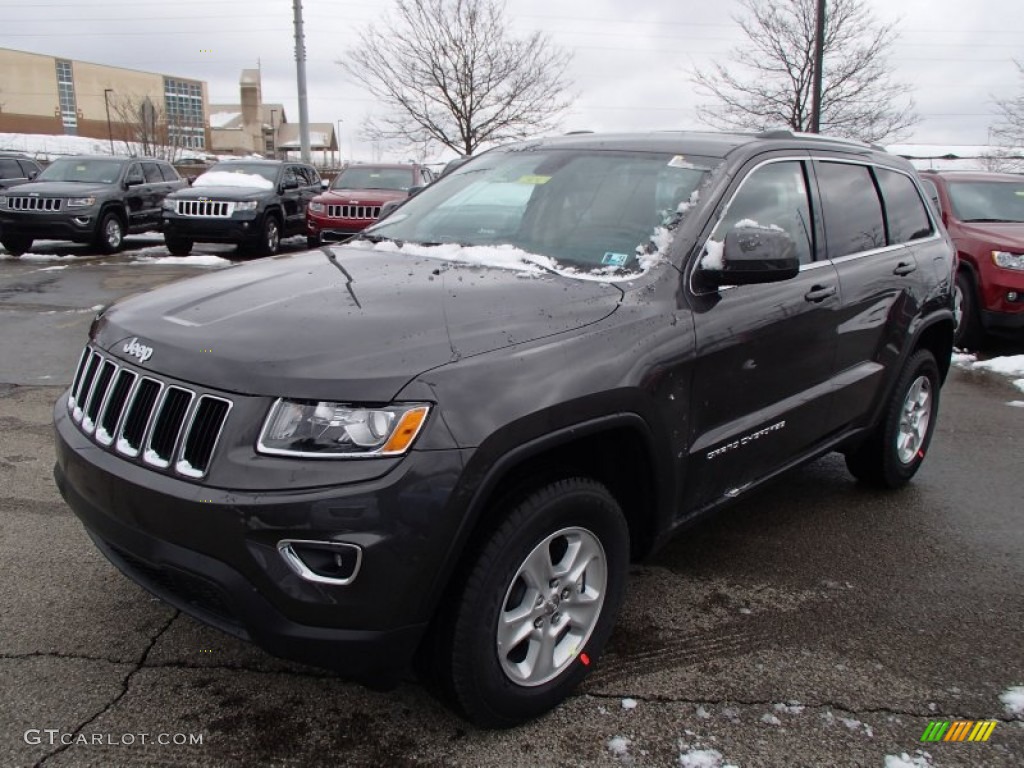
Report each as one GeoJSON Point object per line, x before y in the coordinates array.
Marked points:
{"type": "Point", "coordinates": [110, 131]}
{"type": "Point", "coordinates": [337, 140]}
{"type": "Point", "coordinates": [273, 132]}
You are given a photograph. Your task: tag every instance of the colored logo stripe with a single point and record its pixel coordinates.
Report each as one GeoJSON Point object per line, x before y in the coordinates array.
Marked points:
{"type": "Point", "coordinates": [958, 730]}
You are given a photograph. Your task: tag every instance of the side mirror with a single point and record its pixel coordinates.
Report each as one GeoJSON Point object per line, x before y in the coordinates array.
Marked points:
{"type": "Point", "coordinates": [133, 181]}
{"type": "Point", "coordinates": [290, 183]}
{"type": "Point", "coordinates": [33, 174]}
{"type": "Point", "coordinates": [325, 184]}
{"type": "Point", "coordinates": [388, 207]}
{"type": "Point", "coordinates": [751, 255]}
{"type": "Point", "coordinates": [415, 190]}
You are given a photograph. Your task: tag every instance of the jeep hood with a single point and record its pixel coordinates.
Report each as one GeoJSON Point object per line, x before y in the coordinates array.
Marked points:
{"type": "Point", "coordinates": [1001, 234]}
{"type": "Point", "coordinates": [61, 188]}
{"type": "Point", "coordinates": [354, 328]}
{"type": "Point", "coordinates": [345, 194]}
{"type": "Point", "coordinates": [221, 193]}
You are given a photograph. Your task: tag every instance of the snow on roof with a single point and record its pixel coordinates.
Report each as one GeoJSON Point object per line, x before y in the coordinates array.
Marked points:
{"type": "Point", "coordinates": [222, 119]}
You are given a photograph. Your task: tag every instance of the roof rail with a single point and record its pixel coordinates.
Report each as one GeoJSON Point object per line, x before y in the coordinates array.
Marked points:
{"type": "Point", "coordinates": [785, 133]}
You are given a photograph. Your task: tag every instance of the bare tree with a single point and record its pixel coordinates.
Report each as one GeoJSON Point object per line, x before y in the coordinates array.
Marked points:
{"type": "Point", "coordinates": [145, 128]}
{"type": "Point", "coordinates": [770, 81]}
{"type": "Point", "coordinates": [1008, 132]}
{"type": "Point", "coordinates": [447, 72]}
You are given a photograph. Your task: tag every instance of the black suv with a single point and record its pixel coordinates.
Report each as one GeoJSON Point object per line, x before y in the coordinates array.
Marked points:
{"type": "Point", "coordinates": [253, 203]}
{"type": "Point", "coordinates": [446, 439]}
{"type": "Point", "coordinates": [16, 168]}
{"type": "Point", "coordinates": [87, 200]}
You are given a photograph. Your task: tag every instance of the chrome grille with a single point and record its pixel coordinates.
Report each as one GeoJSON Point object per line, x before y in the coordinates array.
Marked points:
{"type": "Point", "coordinates": [34, 203]}
{"type": "Point", "coordinates": [214, 209]}
{"type": "Point", "coordinates": [166, 425]}
{"type": "Point", "coordinates": [353, 211]}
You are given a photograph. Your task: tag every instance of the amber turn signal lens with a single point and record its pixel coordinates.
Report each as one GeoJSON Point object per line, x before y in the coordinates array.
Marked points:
{"type": "Point", "coordinates": [408, 427]}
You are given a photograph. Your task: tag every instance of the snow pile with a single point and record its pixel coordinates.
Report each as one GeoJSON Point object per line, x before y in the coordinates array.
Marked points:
{"type": "Point", "coordinates": [232, 179]}
{"type": "Point", "coordinates": [1008, 366]}
{"type": "Point", "coordinates": [618, 746]}
{"type": "Point", "coordinates": [36, 257]}
{"type": "Point", "coordinates": [197, 260]}
{"type": "Point", "coordinates": [921, 760]}
{"type": "Point", "coordinates": [1013, 700]}
{"type": "Point", "coordinates": [47, 147]}
{"type": "Point", "coordinates": [701, 758]}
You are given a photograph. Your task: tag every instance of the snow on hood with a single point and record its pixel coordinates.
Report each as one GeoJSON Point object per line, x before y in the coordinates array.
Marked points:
{"type": "Point", "coordinates": [232, 179]}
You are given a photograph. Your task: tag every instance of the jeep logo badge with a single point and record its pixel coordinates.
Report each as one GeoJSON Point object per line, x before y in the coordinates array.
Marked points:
{"type": "Point", "coordinates": [140, 351]}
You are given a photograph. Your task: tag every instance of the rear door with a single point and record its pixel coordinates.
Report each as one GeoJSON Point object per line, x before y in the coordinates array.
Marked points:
{"type": "Point", "coordinates": [155, 189]}
{"type": "Point", "coordinates": [872, 216]}
{"type": "Point", "coordinates": [137, 197]}
{"type": "Point", "coordinates": [765, 353]}
{"type": "Point", "coordinates": [291, 199]}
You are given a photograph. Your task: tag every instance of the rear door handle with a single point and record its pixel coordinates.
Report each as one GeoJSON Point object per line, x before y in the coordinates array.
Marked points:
{"type": "Point", "coordinates": [904, 268]}
{"type": "Point", "coordinates": [820, 293]}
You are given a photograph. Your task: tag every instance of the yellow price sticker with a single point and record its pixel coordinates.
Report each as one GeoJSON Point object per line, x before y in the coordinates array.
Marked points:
{"type": "Point", "coordinates": [533, 179]}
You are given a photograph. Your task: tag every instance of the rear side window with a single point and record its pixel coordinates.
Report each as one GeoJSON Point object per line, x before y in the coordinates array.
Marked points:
{"type": "Point", "coordinates": [152, 171]}
{"type": "Point", "coordinates": [933, 195]}
{"type": "Point", "coordinates": [904, 209]}
{"type": "Point", "coordinates": [853, 212]}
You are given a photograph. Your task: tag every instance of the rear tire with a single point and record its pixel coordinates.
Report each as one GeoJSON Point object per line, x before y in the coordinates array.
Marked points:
{"type": "Point", "coordinates": [110, 234]}
{"type": "Point", "coordinates": [16, 245]}
{"type": "Point", "coordinates": [894, 451]}
{"type": "Point", "coordinates": [537, 606]}
{"type": "Point", "coordinates": [178, 247]}
{"type": "Point", "coordinates": [968, 333]}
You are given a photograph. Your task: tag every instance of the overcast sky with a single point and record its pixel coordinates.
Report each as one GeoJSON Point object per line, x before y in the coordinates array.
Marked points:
{"type": "Point", "coordinates": [629, 71]}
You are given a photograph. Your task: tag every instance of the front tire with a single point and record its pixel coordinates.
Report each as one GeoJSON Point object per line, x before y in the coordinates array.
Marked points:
{"type": "Point", "coordinates": [110, 235]}
{"type": "Point", "coordinates": [894, 451]}
{"type": "Point", "coordinates": [968, 333]}
{"type": "Point", "coordinates": [178, 247]}
{"type": "Point", "coordinates": [538, 604]}
{"type": "Point", "coordinates": [16, 245]}
{"type": "Point", "coordinates": [270, 241]}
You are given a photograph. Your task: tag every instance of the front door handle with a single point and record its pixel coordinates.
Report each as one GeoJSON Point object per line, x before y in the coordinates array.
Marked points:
{"type": "Point", "coordinates": [820, 293]}
{"type": "Point", "coordinates": [904, 268]}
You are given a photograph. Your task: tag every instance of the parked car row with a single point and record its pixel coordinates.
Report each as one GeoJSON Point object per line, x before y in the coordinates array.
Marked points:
{"type": "Point", "coordinates": [252, 203]}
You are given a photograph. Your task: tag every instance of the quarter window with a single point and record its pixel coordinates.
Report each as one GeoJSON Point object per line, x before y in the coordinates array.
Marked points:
{"type": "Point", "coordinates": [905, 212]}
{"type": "Point", "coordinates": [853, 212]}
{"type": "Point", "coordinates": [773, 196]}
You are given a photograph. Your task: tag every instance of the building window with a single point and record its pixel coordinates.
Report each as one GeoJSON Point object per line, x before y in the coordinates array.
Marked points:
{"type": "Point", "coordinates": [186, 123]}
{"type": "Point", "coordinates": [66, 91]}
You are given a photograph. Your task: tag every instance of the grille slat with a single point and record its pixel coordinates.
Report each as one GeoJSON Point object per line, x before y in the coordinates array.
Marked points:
{"type": "Point", "coordinates": [202, 436]}
{"type": "Point", "coordinates": [205, 208]}
{"type": "Point", "coordinates": [34, 203]}
{"type": "Point", "coordinates": [163, 425]}
{"type": "Point", "coordinates": [168, 425]}
{"type": "Point", "coordinates": [353, 211]}
{"type": "Point", "coordinates": [99, 393]}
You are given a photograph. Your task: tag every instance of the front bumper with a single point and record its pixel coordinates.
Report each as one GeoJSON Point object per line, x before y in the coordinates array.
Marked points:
{"type": "Point", "coordinates": [335, 229]}
{"type": "Point", "coordinates": [212, 229]}
{"type": "Point", "coordinates": [212, 552]}
{"type": "Point", "coordinates": [78, 226]}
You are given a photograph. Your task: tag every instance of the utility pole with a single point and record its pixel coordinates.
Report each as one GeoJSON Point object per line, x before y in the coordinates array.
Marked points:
{"type": "Point", "coordinates": [110, 131]}
{"type": "Point", "coordinates": [300, 72]}
{"type": "Point", "coordinates": [819, 59]}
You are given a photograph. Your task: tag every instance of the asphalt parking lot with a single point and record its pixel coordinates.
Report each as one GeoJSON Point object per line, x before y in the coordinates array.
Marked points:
{"type": "Point", "coordinates": [816, 623]}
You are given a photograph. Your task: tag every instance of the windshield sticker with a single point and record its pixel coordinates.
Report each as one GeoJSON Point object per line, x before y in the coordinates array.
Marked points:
{"type": "Point", "coordinates": [533, 179]}
{"type": "Point", "coordinates": [615, 259]}
{"type": "Point", "coordinates": [680, 162]}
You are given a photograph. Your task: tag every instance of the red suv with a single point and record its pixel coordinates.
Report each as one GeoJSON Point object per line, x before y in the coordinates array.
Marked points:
{"type": "Point", "coordinates": [354, 199]}
{"type": "Point", "coordinates": [984, 213]}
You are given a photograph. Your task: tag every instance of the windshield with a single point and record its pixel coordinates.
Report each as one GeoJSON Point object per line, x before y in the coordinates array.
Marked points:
{"type": "Point", "coordinates": [399, 179]}
{"type": "Point", "coordinates": [91, 171]}
{"type": "Point", "coordinates": [988, 200]}
{"type": "Point", "coordinates": [267, 172]}
{"type": "Point", "coordinates": [584, 209]}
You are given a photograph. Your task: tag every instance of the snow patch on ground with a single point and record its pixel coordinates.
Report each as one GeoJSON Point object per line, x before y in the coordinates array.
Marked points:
{"type": "Point", "coordinates": [198, 260]}
{"type": "Point", "coordinates": [629, 703]}
{"type": "Point", "coordinates": [920, 760]}
{"type": "Point", "coordinates": [792, 708]}
{"type": "Point", "coordinates": [1016, 403]}
{"type": "Point", "coordinates": [701, 758]}
{"type": "Point", "coordinates": [963, 359]}
{"type": "Point", "coordinates": [702, 712]}
{"type": "Point", "coordinates": [65, 266]}
{"type": "Point", "coordinates": [1012, 365]}
{"type": "Point", "coordinates": [1019, 384]}
{"type": "Point", "coordinates": [618, 745]}
{"type": "Point", "coordinates": [36, 257]}
{"type": "Point", "coordinates": [770, 719]}
{"type": "Point", "coordinates": [1013, 700]}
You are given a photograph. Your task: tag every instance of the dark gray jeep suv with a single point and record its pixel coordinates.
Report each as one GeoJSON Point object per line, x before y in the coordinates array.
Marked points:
{"type": "Point", "coordinates": [87, 200]}
{"type": "Point", "coordinates": [444, 440]}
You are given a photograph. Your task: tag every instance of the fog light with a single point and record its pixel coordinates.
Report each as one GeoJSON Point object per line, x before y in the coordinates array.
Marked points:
{"type": "Point", "coordinates": [1012, 296]}
{"type": "Point", "coordinates": [323, 562]}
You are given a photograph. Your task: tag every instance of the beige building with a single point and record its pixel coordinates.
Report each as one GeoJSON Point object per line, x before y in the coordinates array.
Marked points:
{"type": "Point", "coordinates": [252, 127]}
{"type": "Point", "coordinates": [51, 95]}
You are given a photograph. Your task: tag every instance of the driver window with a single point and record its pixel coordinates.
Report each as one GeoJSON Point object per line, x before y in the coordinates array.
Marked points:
{"type": "Point", "coordinates": [774, 197]}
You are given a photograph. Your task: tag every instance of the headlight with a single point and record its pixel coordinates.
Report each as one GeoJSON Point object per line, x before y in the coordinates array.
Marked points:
{"type": "Point", "coordinates": [81, 202]}
{"type": "Point", "coordinates": [1008, 260]}
{"type": "Point", "coordinates": [317, 207]}
{"type": "Point", "coordinates": [339, 430]}
{"type": "Point", "coordinates": [248, 205]}
{"type": "Point", "coordinates": [168, 204]}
